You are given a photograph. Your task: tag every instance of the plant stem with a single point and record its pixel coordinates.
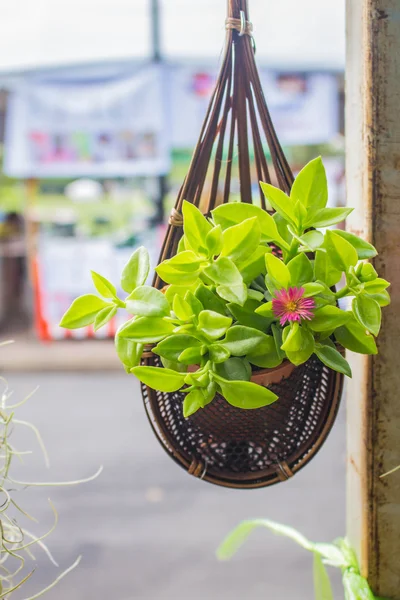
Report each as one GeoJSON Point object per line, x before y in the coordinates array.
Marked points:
{"type": "Point", "coordinates": [343, 292]}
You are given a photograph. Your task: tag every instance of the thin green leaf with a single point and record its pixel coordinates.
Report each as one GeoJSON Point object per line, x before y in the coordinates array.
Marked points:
{"type": "Point", "coordinates": [241, 340]}
{"type": "Point", "coordinates": [327, 216]}
{"type": "Point", "coordinates": [356, 587]}
{"type": "Point", "coordinates": [342, 254]}
{"type": "Point", "coordinates": [237, 212]}
{"type": "Point", "coordinates": [83, 311]}
{"type": "Point", "coordinates": [240, 241]}
{"type": "Point", "coordinates": [234, 369]}
{"type": "Point", "coordinates": [173, 346]}
{"type": "Point", "coordinates": [277, 271]}
{"type": "Point", "coordinates": [280, 202]}
{"type": "Point", "coordinates": [195, 227]}
{"type": "Point", "coordinates": [158, 378]}
{"type": "Point", "coordinates": [239, 535]}
{"type": "Point", "coordinates": [300, 269]}
{"type": "Point", "coordinates": [333, 359]}
{"type": "Point", "coordinates": [146, 301]}
{"type": "Point", "coordinates": [146, 330]}
{"type": "Point", "coordinates": [363, 248]}
{"type": "Point", "coordinates": [213, 324]}
{"type": "Point", "coordinates": [104, 316]}
{"type": "Point", "coordinates": [310, 186]}
{"type": "Point", "coordinates": [329, 317]}
{"type": "Point", "coordinates": [136, 270]}
{"type": "Point", "coordinates": [356, 338]}
{"type": "Point", "coordinates": [246, 394]}
{"type": "Point", "coordinates": [224, 272]}
{"type": "Point", "coordinates": [214, 241]}
{"type": "Point", "coordinates": [367, 312]}
{"type": "Point", "coordinates": [322, 585]}
{"type": "Point", "coordinates": [103, 286]}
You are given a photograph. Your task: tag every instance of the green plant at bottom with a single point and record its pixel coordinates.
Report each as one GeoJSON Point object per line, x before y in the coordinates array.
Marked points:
{"type": "Point", "coordinates": [338, 554]}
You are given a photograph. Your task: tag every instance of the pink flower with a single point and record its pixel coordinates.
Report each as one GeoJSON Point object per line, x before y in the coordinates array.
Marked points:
{"type": "Point", "coordinates": [290, 305]}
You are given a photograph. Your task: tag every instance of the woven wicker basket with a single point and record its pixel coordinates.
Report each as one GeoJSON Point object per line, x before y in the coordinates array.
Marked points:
{"type": "Point", "coordinates": [222, 444]}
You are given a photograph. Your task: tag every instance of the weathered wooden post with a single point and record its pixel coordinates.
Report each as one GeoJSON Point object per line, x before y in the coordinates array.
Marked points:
{"type": "Point", "coordinates": [373, 188]}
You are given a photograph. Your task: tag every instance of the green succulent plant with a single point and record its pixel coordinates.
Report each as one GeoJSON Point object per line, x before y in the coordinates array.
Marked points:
{"type": "Point", "coordinates": [245, 290]}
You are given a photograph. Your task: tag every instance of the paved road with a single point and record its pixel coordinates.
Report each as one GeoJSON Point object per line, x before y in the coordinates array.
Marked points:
{"type": "Point", "coordinates": [147, 530]}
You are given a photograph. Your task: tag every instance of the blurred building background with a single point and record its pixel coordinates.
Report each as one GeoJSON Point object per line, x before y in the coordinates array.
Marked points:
{"type": "Point", "coordinates": [101, 103]}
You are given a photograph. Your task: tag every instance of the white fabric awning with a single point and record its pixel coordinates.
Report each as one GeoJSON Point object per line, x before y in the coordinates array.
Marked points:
{"type": "Point", "coordinates": [288, 33]}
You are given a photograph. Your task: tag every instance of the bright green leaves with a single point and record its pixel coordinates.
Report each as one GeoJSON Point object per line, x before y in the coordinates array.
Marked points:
{"type": "Point", "coordinates": [327, 217]}
{"type": "Point", "coordinates": [184, 268]}
{"type": "Point", "coordinates": [367, 312]}
{"type": "Point", "coordinates": [103, 286]}
{"type": "Point", "coordinates": [215, 318]}
{"type": "Point", "coordinates": [214, 241]}
{"type": "Point", "coordinates": [363, 249]}
{"type": "Point", "coordinates": [104, 316]}
{"type": "Point", "coordinates": [173, 346]}
{"type": "Point", "coordinates": [341, 253]}
{"type": "Point", "coordinates": [182, 308]}
{"type": "Point", "coordinates": [322, 584]}
{"type": "Point", "coordinates": [209, 300]}
{"type": "Point", "coordinates": [339, 555]}
{"type": "Point", "coordinates": [277, 271]}
{"type": "Point", "coordinates": [246, 394]}
{"type": "Point", "coordinates": [241, 340]}
{"type": "Point", "coordinates": [234, 369]}
{"type": "Point", "coordinates": [83, 311]}
{"type": "Point", "coordinates": [233, 213]}
{"type": "Point", "coordinates": [298, 343]}
{"type": "Point", "coordinates": [226, 275]}
{"type": "Point", "coordinates": [196, 228]}
{"type": "Point", "coordinates": [280, 202]}
{"type": "Point", "coordinates": [158, 378]}
{"type": "Point", "coordinates": [300, 270]}
{"type": "Point", "coordinates": [324, 269]}
{"type": "Point", "coordinates": [332, 359]}
{"type": "Point", "coordinates": [241, 240]}
{"type": "Point", "coordinates": [146, 301]}
{"type": "Point", "coordinates": [213, 324]}
{"type": "Point", "coordinates": [224, 271]}
{"type": "Point", "coordinates": [355, 337]}
{"type": "Point", "coordinates": [329, 318]}
{"type": "Point", "coordinates": [194, 400]}
{"type": "Point", "coordinates": [128, 352]}
{"type": "Point", "coordinates": [146, 330]}
{"type": "Point", "coordinates": [310, 186]}
{"type": "Point", "coordinates": [136, 270]}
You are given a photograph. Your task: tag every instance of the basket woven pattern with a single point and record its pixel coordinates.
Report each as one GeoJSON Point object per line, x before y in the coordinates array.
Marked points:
{"type": "Point", "coordinates": [249, 448]}
{"type": "Point", "coordinates": [223, 444]}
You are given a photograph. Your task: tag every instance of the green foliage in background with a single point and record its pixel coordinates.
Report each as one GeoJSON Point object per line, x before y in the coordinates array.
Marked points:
{"type": "Point", "coordinates": [339, 554]}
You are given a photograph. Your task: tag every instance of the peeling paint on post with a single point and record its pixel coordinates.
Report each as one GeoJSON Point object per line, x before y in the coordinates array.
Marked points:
{"type": "Point", "coordinates": [373, 188]}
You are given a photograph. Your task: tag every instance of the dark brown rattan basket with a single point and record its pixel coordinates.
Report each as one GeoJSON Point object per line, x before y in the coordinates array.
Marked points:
{"type": "Point", "coordinates": [223, 444]}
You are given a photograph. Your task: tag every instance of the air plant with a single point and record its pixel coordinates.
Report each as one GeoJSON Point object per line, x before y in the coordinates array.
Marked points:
{"type": "Point", "coordinates": [17, 542]}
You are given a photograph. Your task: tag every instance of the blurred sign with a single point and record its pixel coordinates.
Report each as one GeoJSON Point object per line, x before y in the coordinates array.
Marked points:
{"type": "Point", "coordinates": [304, 106]}
{"type": "Point", "coordinates": [94, 127]}
{"type": "Point", "coordinates": [62, 273]}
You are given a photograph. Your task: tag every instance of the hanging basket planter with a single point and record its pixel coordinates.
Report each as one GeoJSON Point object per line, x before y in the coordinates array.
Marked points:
{"type": "Point", "coordinates": [239, 448]}
{"type": "Point", "coordinates": [239, 342]}
{"type": "Point", "coordinates": [224, 444]}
